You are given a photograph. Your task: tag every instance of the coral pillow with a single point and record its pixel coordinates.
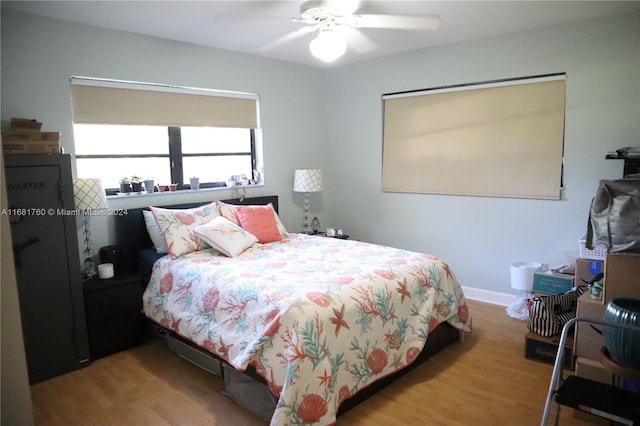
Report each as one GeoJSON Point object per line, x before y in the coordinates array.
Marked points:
{"type": "Point", "coordinates": [229, 211]}
{"type": "Point", "coordinates": [225, 236]}
{"type": "Point", "coordinates": [177, 227]}
{"type": "Point", "coordinates": [259, 221]}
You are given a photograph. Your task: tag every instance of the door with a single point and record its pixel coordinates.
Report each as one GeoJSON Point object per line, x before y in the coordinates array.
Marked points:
{"type": "Point", "coordinates": [42, 271]}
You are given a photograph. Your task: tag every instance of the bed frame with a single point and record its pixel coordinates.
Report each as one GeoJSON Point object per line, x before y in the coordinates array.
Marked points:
{"type": "Point", "coordinates": [247, 388]}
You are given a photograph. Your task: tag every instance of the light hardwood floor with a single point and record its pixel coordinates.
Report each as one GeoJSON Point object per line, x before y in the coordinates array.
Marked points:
{"type": "Point", "coordinates": [484, 380]}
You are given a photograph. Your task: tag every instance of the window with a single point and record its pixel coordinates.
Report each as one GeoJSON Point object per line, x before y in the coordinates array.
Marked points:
{"type": "Point", "coordinates": [165, 133]}
{"type": "Point", "coordinates": [497, 139]}
{"type": "Point", "coordinates": [164, 154]}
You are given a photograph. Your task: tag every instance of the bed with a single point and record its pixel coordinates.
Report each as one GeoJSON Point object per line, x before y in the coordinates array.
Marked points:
{"type": "Point", "coordinates": [301, 328]}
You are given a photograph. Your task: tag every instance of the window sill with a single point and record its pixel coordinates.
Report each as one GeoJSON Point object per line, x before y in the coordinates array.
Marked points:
{"type": "Point", "coordinates": [135, 195]}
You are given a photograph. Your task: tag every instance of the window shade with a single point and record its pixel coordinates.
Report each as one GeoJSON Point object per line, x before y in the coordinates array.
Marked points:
{"type": "Point", "coordinates": [114, 102]}
{"type": "Point", "coordinates": [501, 139]}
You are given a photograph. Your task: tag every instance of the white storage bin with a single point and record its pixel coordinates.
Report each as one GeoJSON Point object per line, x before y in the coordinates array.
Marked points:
{"type": "Point", "coordinates": [597, 253]}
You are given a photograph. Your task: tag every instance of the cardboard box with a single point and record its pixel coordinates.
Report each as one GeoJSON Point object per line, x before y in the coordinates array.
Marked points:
{"type": "Point", "coordinates": [621, 276]}
{"type": "Point", "coordinates": [592, 370]}
{"type": "Point", "coordinates": [29, 135]}
{"type": "Point", "coordinates": [25, 123]}
{"type": "Point", "coordinates": [587, 269]}
{"type": "Point", "coordinates": [551, 283]}
{"type": "Point", "coordinates": [544, 349]}
{"type": "Point", "coordinates": [30, 142]}
{"type": "Point", "coordinates": [30, 147]}
{"type": "Point", "coordinates": [587, 341]}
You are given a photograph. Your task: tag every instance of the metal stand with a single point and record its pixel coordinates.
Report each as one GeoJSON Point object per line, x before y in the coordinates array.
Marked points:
{"type": "Point", "coordinates": [305, 222]}
{"type": "Point", "coordinates": [600, 399]}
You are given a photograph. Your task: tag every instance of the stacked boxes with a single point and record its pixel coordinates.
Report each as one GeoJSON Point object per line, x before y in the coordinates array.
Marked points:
{"type": "Point", "coordinates": [621, 279]}
{"type": "Point", "coordinates": [25, 137]}
{"type": "Point", "coordinates": [588, 339]}
{"type": "Point", "coordinates": [621, 276]}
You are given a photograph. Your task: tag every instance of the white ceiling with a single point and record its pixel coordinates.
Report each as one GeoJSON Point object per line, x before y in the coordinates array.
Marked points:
{"type": "Point", "coordinates": [259, 27]}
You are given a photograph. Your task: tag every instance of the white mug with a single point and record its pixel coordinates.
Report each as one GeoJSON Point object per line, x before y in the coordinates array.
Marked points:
{"type": "Point", "coordinates": [105, 271]}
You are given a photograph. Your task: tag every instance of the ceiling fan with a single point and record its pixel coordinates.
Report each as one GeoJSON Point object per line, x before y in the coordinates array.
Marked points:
{"type": "Point", "coordinates": [331, 17]}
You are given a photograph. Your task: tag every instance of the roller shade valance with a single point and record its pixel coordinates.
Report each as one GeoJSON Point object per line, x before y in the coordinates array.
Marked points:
{"type": "Point", "coordinates": [114, 102]}
{"type": "Point", "coordinates": [503, 140]}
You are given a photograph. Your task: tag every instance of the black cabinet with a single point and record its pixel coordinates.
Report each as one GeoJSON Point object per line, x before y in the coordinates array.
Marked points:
{"type": "Point", "coordinates": [45, 246]}
{"type": "Point", "coordinates": [114, 314]}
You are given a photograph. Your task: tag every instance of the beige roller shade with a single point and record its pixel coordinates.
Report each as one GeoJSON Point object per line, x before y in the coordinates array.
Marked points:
{"type": "Point", "coordinates": [502, 140]}
{"type": "Point", "coordinates": [108, 102]}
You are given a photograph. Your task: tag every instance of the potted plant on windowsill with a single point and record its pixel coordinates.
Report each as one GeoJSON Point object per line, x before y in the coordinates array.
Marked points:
{"type": "Point", "coordinates": [136, 184]}
{"type": "Point", "coordinates": [125, 185]}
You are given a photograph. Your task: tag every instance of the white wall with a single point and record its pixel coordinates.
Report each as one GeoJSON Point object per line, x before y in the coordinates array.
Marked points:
{"type": "Point", "coordinates": [480, 237]}
{"type": "Point", "coordinates": [39, 55]}
{"type": "Point", "coordinates": [332, 119]}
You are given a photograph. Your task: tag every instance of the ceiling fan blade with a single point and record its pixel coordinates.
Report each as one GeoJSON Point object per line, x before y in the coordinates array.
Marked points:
{"type": "Point", "coordinates": [403, 22]}
{"type": "Point", "coordinates": [288, 37]}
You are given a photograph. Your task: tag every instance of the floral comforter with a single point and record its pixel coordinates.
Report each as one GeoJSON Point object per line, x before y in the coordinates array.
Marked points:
{"type": "Point", "coordinates": [319, 318]}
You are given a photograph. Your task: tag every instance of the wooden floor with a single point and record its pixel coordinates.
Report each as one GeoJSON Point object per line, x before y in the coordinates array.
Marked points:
{"type": "Point", "coordinates": [483, 380]}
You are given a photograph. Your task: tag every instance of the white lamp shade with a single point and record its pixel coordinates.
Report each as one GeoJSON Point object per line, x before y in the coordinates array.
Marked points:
{"type": "Point", "coordinates": [308, 180]}
{"type": "Point", "coordinates": [328, 46]}
{"type": "Point", "coordinates": [88, 194]}
{"type": "Point", "coordinates": [522, 275]}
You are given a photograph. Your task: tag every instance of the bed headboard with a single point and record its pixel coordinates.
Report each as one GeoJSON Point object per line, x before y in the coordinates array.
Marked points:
{"type": "Point", "coordinates": [131, 231]}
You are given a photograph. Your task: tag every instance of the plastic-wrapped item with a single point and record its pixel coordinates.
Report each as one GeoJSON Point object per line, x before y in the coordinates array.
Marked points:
{"type": "Point", "coordinates": [520, 307]}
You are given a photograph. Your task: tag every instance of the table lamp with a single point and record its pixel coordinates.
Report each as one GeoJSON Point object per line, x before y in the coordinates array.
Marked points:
{"type": "Point", "coordinates": [89, 195]}
{"type": "Point", "coordinates": [522, 280]}
{"type": "Point", "coordinates": [307, 181]}
{"type": "Point", "coordinates": [522, 275]}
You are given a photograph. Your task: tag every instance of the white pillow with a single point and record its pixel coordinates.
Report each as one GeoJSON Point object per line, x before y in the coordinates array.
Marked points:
{"type": "Point", "coordinates": [154, 232]}
{"type": "Point", "coordinates": [225, 236]}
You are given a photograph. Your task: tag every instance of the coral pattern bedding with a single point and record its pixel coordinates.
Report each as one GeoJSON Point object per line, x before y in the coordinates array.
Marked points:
{"type": "Point", "coordinates": [319, 318]}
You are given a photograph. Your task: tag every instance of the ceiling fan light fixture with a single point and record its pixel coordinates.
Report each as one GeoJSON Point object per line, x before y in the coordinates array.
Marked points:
{"type": "Point", "coordinates": [328, 46]}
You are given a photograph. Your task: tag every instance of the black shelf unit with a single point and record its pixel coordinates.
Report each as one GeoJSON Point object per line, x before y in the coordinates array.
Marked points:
{"type": "Point", "coordinates": [47, 258]}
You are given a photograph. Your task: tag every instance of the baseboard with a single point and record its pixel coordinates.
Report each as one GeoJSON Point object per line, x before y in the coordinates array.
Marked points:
{"type": "Point", "coordinates": [488, 296]}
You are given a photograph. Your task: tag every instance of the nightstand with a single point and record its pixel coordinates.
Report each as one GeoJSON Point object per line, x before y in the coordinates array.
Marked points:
{"type": "Point", "coordinates": [324, 234]}
{"type": "Point", "coordinates": [114, 318]}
